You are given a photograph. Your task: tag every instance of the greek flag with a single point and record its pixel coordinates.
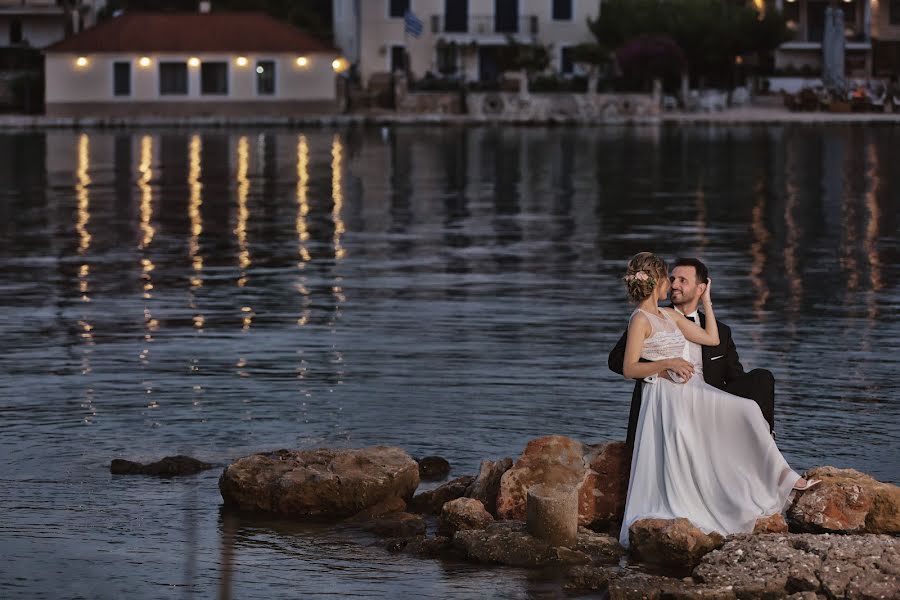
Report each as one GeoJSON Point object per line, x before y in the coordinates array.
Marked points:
{"type": "Point", "coordinates": [412, 24]}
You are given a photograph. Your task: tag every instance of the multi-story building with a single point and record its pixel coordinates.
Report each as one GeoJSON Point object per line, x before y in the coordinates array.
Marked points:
{"type": "Point", "coordinates": [39, 23]}
{"type": "Point", "coordinates": [460, 38]}
{"type": "Point", "coordinates": [872, 35]}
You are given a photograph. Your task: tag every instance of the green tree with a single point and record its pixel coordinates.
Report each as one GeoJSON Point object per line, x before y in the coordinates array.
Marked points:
{"type": "Point", "coordinates": [711, 33]}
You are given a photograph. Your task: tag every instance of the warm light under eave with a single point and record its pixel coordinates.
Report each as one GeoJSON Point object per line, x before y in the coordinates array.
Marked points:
{"type": "Point", "coordinates": [194, 61]}
{"type": "Point", "coordinates": [302, 61]}
{"type": "Point", "coordinates": [241, 61]}
{"type": "Point", "coordinates": [81, 61]}
{"type": "Point", "coordinates": [144, 61]}
{"type": "Point", "coordinates": [339, 65]}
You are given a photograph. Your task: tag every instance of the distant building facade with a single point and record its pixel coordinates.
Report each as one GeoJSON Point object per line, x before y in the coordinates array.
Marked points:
{"type": "Point", "coordinates": [460, 38]}
{"type": "Point", "coordinates": [191, 64]}
{"type": "Point", "coordinates": [872, 34]}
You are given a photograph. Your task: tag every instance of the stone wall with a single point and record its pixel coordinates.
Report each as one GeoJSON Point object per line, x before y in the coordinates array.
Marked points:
{"type": "Point", "coordinates": [517, 106]}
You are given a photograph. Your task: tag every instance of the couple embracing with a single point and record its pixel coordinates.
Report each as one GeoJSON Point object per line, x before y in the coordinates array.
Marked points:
{"type": "Point", "coordinates": [701, 431]}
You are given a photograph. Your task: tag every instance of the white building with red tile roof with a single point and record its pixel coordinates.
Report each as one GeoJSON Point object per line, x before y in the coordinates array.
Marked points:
{"type": "Point", "coordinates": [190, 64]}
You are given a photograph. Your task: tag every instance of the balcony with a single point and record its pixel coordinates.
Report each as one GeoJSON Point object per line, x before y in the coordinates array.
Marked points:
{"type": "Point", "coordinates": [480, 27]}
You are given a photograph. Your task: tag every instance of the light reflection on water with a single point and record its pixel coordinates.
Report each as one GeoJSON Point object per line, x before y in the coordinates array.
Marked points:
{"type": "Point", "coordinates": [451, 291]}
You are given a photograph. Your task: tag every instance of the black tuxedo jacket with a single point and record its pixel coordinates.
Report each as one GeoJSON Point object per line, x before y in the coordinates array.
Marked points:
{"type": "Point", "coordinates": [720, 365]}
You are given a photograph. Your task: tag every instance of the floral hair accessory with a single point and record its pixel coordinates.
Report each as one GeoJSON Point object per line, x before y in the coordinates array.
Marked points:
{"type": "Point", "coordinates": [640, 276]}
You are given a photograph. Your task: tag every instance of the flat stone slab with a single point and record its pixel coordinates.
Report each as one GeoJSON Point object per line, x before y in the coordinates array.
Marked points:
{"type": "Point", "coordinates": [319, 483]}
{"type": "Point", "coordinates": [836, 566]}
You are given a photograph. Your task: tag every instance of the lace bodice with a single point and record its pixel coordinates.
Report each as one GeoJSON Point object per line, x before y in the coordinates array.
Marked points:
{"type": "Point", "coordinates": [665, 341]}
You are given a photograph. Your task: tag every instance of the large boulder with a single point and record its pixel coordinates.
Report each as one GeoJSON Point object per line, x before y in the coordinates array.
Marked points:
{"type": "Point", "coordinates": [561, 461]}
{"type": "Point", "coordinates": [671, 542]}
{"type": "Point", "coordinates": [432, 501]}
{"type": "Point", "coordinates": [833, 566]}
{"type": "Point", "coordinates": [463, 513]}
{"type": "Point", "coordinates": [487, 484]}
{"type": "Point", "coordinates": [321, 483]}
{"type": "Point", "coordinates": [602, 497]}
{"type": "Point", "coordinates": [847, 501]}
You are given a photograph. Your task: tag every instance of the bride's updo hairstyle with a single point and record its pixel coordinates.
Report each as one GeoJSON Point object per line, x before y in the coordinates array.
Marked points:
{"type": "Point", "coordinates": [644, 270]}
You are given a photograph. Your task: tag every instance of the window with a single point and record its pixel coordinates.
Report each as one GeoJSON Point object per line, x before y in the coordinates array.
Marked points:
{"type": "Point", "coordinates": [566, 62]}
{"type": "Point", "coordinates": [894, 10]}
{"type": "Point", "coordinates": [398, 58]}
{"type": "Point", "coordinates": [214, 78]}
{"type": "Point", "coordinates": [456, 16]}
{"type": "Point", "coordinates": [15, 31]}
{"type": "Point", "coordinates": [121, 79]}
{"type": "Point", "coordinates": [397, 8]}
{"type": "Point", "coordinates": [265, 77]}
{"type": "Point", "coordinates": [562, 10]}
{"type": "Point", "coordinates": [447, 59]}
{"type": "Point", "coordinates": [506, 16]}
{"type": "Point", "coordinates": [173, 80]}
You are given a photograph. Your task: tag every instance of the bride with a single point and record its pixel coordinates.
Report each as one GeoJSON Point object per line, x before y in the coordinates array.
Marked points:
{"type": "Point", "coordinates": [699, 453]}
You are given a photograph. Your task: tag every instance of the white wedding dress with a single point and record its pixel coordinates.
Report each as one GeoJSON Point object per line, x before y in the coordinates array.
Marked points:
{"type": "Point", "coordinates": [700, 453]}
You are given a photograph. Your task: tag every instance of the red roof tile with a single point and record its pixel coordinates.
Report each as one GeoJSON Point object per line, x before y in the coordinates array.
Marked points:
{"type": "Point", "coordinates": [192, 32]}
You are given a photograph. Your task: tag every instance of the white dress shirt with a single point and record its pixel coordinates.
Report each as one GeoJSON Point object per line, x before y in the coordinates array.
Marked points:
{"type": "Point", "coordinates": [694, 350]}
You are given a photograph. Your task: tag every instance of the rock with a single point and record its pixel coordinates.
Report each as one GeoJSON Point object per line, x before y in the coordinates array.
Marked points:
{"type": "Point", "coordinates": [437, 547]}
{"type": "Point", "coordinates": [396, 525]}
{"type": "Point", "coordinates": [463, 513]}
{"type": "Point", "coordinates": [584, 578]}
{"type": "Point", "coordinates": [671, 542]}
{"type": "Point", "coordinates": [508, 543]}
{"type": "Point", "coordinates": [771, 524]}
{"type": "Point", "coordinates": [390, 505]}
{"type": "Point", "coordinates": [169, 466]}
{"type": "Point", "coordinates": [601, 547]}
{"type": "Point", "coordinates": [551, 460]}
{"type": "Point", "coordinates": [775, 566]}
{"type": "Point", "coordinates": [561, 461]}
{"type": "Point", "coordinates": [847, 501]}
{"type": "Point", "coordinates": [641, 586]}
{"type": "Point", "coordinates": [487, 484]}
{"type": "Point", "coordinates": [323, 483]}
{"type": "Point", "coordinates": [432, 501]}
{"type": "Point", "coordinates": [602, 498]}
{"type": "Point", "coordinates": [433, 467]}
{"type": "Point", "coordinates": [552, 514]}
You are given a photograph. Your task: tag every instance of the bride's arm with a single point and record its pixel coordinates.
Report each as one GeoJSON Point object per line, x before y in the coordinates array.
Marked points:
{"type": "Point", "coordinates": [632, 368]}
{"type": "Point", "coordinates": [693, 332]}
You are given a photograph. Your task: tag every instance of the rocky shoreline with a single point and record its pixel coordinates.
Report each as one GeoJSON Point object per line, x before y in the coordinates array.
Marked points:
{"type": "Point", "coordinates": [838, 540]}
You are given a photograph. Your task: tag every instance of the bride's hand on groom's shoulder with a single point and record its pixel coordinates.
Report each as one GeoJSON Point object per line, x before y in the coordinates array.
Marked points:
{"type": "Point", "coordinates": [707, 294]}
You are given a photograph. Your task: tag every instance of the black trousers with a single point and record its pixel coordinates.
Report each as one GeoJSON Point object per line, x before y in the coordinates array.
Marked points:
{"type": "Point", "coordinates": [757, 385]}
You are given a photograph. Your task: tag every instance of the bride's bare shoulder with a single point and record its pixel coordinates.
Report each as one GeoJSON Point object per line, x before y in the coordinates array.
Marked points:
{"type": "Point", "coordinates": [639, 321]}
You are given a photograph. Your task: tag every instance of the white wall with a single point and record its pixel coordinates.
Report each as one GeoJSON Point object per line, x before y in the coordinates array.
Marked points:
{"type": "Point", "coordinates": [66, 82]}
{"type": "Point", "coordinates": [379, 33]}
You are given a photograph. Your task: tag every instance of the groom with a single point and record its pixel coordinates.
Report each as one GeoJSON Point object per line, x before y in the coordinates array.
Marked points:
{"type": "Point", "coordinates": [720, 364]}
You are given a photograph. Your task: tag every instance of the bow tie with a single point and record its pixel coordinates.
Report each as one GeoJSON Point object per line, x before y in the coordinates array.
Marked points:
{"type": "Point", "coordinates": [695, 317]}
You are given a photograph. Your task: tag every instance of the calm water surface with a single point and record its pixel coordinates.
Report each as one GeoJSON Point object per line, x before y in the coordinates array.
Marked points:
{"type": "Point", "coordinates": [450, 291]}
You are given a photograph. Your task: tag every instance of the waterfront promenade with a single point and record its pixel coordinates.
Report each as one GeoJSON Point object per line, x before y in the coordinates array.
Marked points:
{"type": "Point", "coordinates": [731, 116]}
